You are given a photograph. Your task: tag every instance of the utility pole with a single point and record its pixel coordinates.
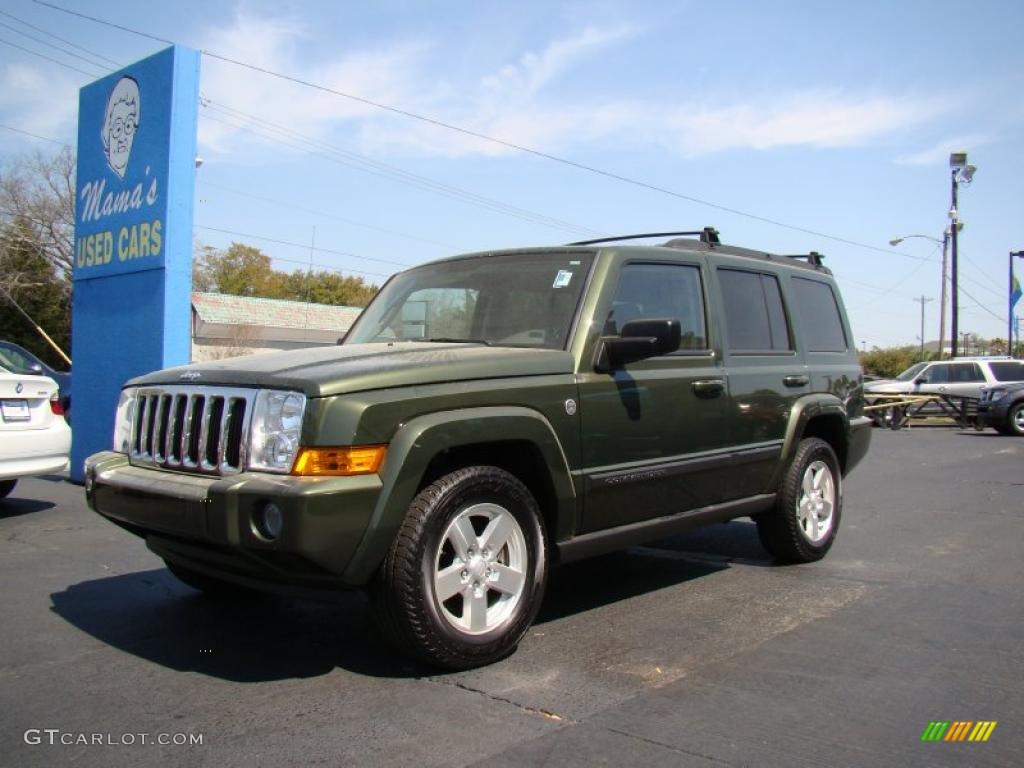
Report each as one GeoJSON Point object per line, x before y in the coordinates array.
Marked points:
{"type": "Point", "coordinates": [943, 295]}
{"type": "Point", "coordinates": [923, 300]}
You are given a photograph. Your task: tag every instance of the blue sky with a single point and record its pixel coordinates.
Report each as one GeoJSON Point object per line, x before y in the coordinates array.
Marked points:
{"type": "Point", "coordinates": [834, 118]}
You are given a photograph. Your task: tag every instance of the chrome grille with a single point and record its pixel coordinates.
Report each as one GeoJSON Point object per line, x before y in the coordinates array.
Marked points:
{"type": "Point", "coordinates": [192, 429]}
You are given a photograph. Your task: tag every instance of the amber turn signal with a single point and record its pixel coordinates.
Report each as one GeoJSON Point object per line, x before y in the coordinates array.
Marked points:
{"type": "Point", "coordinates": [351, 460]}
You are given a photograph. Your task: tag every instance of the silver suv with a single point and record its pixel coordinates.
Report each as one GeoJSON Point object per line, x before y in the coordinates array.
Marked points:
{"type": "Point", "coordinates": [963, 377]}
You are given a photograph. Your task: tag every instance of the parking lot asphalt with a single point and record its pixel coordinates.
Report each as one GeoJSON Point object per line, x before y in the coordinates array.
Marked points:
{"type": "Point", "coordinates": [695, 650]}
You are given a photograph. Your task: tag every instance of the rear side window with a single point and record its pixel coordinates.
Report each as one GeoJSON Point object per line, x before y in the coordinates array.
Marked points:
{"type": "Point", "coordinates": [820, 323]}
{"type": "Point", "coordinates": [1008, 371]}
{"type": "Point", "coordinates": [755, 320]}
{"type": "Point", "coordinates": [965, 373]}
{"type": "Point", "coordinates": [660, 291]}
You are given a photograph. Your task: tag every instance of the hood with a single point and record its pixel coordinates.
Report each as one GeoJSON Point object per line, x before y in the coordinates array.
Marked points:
{"type": "Point", "coordinates": [889, 386]}
{"type": "Point", "coordinates": [324, 371]}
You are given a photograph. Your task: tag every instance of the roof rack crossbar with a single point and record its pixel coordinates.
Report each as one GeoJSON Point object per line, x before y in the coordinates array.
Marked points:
{"type": "Point", "coordinates": [813, 258]}
{"type": "Point", "coordinates": [707, 235]}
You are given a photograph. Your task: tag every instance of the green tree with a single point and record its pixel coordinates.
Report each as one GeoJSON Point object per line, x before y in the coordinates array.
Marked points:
{"type": "Point", "coordinates": [243, 270]}
{"type": "Point", "coordinates": [30, 279]}
{"type": "Point", "coordinates": [892, 361]}
{"type": "Point", "coordinates": [324, 287]}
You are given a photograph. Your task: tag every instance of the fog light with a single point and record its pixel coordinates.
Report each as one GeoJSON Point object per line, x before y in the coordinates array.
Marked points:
{"type": "Point", "coordinates": [269, 521]}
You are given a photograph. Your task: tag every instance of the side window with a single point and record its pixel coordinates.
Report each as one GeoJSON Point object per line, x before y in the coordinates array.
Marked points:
{"type": "Point", "coordinates": [14, 360]}
{"type": "Point", "coordinates": [965, 373]}
{"type": "Point", "coordinates": [755, 320]}
{"type": "Point", "coordinates": [936, 374]}
{"type": "Point", "coordinates": [656, 291]}
{"type": "Point", "coordinates": [820, 323]}
{"type": "Point", "coordinates": [1008, 371]}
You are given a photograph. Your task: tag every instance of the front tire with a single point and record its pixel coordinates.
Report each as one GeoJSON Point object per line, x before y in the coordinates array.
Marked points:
{"type": "Point", "coordinates": [1015, 420]}
{"type": "Point", "coordinates": [466, 573]}
{"type": "Point", "coordinates": [805, 521]}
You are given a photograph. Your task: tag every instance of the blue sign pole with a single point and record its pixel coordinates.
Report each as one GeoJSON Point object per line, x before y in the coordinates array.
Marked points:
{"type": "Point", "coordinates": [131, 303]}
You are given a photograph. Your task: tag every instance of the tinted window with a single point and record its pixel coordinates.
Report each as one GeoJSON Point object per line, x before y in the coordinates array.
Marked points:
{"type": "Point", "coordinates": [524, 300]}
{"type": "Point", "coordinates": [656, 291]}
{"type": "Point", "coordinates": [820, 323]}
{"type": "Point", "coordinates": [936, 374]}
{"type": "Point", "coordinates": [1008, 371]}
{"type": "Point", "coordinates": [965, 372]}
{"type": "Point", "coordinates": [754, 317]}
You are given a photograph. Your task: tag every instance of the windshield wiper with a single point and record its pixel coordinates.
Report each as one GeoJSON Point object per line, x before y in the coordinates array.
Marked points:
{"type": "Point", "coordinates": [446, 339]}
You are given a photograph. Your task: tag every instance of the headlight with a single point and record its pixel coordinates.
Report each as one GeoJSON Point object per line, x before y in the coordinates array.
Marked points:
{"type": "Point", "coordinates": [123, 420]}
{"type": "Point", "coordinates": [993, 394]}
{"type": "Point", "coordinates": [276, 428]}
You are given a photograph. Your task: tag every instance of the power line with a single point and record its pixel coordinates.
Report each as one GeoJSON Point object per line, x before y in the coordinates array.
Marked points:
{"type": "Point", "coordinates": [483, 137]}
{"type": "Point", "coordinates": [33, 135]}
{"type": "Point", "coordinates": [325, 214]}
{"type": "Point", "coordinates": [304, 245]}
{"type": "Point", "coordinates": [377, 168]}
{"type": "Point", "coordinates": [57, 37]}
{"type": "Point", "coordinates": [48, 58]}
{"type": "Point", "coordinates": [35, 39]}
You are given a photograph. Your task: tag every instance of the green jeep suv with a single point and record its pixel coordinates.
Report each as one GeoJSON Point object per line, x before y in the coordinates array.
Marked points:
{"type": "Point", "coordinates": [494, 414]}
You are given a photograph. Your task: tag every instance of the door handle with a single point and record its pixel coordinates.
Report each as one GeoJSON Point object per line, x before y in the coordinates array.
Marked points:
{"type": "Point", "coordinates": [708, 388]}
{"type": "Point", "coordinates": [796, 380]}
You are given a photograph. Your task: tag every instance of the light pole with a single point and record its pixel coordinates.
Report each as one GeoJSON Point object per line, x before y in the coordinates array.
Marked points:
{"type": "Point", "coordinates": [923, 300]}
{"type": "Point", "coordinates": [960, 171]}
{"type": "Point", "coordinates": [944, 242]}
{"type": "Point", "coordinates": [1014, 296]}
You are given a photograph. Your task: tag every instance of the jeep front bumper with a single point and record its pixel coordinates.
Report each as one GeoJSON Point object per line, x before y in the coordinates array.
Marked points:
{"type": "Point", "coordinates": [208, 524]}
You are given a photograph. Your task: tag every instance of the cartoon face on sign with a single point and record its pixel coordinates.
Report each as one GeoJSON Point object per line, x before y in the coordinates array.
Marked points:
{"type": "Point", "coordinates": [121, 119]}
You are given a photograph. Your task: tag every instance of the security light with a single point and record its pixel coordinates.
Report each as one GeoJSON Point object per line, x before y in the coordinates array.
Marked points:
{"type": "Point", "coordinates": [957, 159]}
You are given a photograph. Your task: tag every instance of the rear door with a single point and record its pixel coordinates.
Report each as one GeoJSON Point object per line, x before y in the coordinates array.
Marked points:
{"type": "Point", "coordinates": [766, 373]}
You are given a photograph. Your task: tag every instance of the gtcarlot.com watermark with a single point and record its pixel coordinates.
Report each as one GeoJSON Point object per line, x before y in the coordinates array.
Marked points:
{"type": "Point", "coordinates": [57, 737]}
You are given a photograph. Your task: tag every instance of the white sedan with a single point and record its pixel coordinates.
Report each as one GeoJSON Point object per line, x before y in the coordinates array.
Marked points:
{"type": "Point", "coordinates": [34, 437]}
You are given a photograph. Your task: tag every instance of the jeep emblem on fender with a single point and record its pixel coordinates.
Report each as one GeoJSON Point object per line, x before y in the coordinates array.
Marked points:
{"type": "Point", "coordinates": [570, 407]}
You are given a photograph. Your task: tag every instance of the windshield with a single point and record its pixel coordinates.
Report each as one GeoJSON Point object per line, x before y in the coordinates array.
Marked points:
{"type": "Point", "coordinates": [911, 372]}
{"type": "Point", "coordinates": [514, 300]}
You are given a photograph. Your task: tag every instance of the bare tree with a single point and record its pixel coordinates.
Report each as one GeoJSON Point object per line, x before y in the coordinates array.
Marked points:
{"type": "Point", "coordinates": [37, 204]}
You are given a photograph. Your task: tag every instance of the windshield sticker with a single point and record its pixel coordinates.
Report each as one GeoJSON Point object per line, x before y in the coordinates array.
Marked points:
{"type": "Point", "coordinates": [562, 278]}
{"type": "Point", "coordinates": [574, 263]}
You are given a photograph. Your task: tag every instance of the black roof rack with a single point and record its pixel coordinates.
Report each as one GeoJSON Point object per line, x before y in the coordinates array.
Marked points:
{"type": "Point", "coordinates": [813, 258]}
{"type": "Point", "coordinates": [707, 235]}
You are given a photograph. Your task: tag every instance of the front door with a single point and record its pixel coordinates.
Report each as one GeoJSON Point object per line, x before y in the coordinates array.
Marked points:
{"type": "Point", "coordinates": [651, 430]}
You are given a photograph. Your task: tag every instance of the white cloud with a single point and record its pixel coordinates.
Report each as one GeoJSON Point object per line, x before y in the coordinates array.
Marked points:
{"type": "Point", "coordinates": [938, 154]}
{"type": "Point", "coordinates": [816, 119]}
{"type": "Point", "coordinates": [387, 74]}
{"type": "Point", "coordinates": [517, 102]}
{"type": "Point", "coordinates": [37, 101]}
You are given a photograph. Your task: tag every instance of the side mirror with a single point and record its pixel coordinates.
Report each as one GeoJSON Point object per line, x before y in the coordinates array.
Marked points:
{"type": "Point", "coordinates": [638, 340]}
{"type": "Point", "coordinates": [920, 381]}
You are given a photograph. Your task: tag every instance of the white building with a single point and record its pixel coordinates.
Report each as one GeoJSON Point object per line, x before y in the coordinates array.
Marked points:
{"type": "Point", "coordinates": [228, 326]}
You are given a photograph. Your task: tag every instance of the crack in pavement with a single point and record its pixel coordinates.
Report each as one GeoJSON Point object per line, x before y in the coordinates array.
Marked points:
{"type": "Point", "coordinates": [494, 697]}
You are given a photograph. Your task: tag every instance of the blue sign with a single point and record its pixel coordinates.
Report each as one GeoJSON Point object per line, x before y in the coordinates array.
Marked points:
{"type": "Point", "coordinates": [131, 303]}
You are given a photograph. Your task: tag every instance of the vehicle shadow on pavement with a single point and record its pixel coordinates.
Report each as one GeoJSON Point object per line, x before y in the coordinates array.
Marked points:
{"type": "Point", "coordinates": [254, 639]}
{"type": "Point", "coordinates": [12, 506]}
{"type": "Point", "coordinates": [579, 587]}
{"type": "Point", "coordinates": [262, 638]}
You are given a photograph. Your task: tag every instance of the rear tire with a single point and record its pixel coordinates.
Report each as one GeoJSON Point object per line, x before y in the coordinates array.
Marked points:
{"type": "Point", "coordinates": [466, 573]}
{"type": "Point", "coordinates": [805, 520]}
{"type": "Point", "coordinates": [6, 486]}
